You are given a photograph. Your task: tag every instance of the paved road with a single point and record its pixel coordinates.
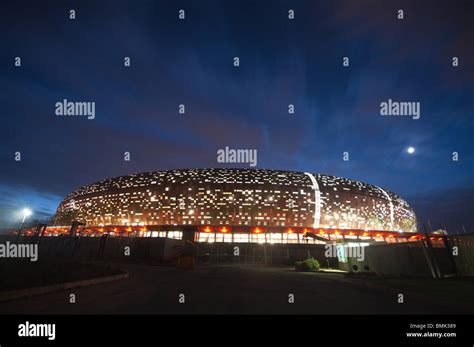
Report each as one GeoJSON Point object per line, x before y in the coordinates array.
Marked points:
{"type": "Point", "coordinates": [222, 290]}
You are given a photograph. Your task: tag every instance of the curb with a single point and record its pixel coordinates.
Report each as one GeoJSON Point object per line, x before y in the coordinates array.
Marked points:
{"type": "Point", "coordinates": [28, 292]}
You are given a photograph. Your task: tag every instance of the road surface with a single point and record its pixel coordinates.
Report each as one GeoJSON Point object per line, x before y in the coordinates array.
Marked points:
{"type": "Point", "coordinates": [224, 290]}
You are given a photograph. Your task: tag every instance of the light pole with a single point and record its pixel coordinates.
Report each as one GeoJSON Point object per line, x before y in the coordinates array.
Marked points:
{"type": "Point", "coordinates": [26, 212]}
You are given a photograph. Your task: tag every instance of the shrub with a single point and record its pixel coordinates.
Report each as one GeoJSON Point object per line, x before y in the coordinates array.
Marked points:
{"type": "Point", "coordinates": [307, 265]}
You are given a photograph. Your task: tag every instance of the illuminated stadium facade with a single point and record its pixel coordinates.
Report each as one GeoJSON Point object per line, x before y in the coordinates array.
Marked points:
{"type": "Point", "coordinates": [237, 205]}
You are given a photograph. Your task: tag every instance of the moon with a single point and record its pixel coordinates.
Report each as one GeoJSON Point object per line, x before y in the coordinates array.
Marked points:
{"type": "Point", "coordinates": [411, 150]}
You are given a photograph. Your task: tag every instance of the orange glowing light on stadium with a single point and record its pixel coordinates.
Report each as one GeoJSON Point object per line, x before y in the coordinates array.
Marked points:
{"type": "Point", "coordinates": [351, 233]}
{"type": "Point", "coordinates": [101, 229]}
{"type": "Point", "coordinates": [378, 235]}
{"type": "Point", "coordinates": [321, 231]}
{"type": "Point", "coordinates": [114, 229]}
{"type": "Point", "coordinates": [289, 231]}
{"type": "Point", "coordinates": [224, 230]}
{"type": "Point", "coordinates": [129, 229]}
{"type": "Point", "coordinates": [257, 230]}
{"type": "Point", "coordinates": [336, 232]}
{"type": "Point", "coordinates": [207, 229]}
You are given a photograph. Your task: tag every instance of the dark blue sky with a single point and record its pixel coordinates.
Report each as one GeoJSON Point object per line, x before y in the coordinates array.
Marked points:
{"type": "Point", "coordinates": [282, 62]}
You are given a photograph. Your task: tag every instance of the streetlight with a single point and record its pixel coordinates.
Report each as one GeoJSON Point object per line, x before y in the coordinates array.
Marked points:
{"type": "Point", "coordinates": [26, 212]}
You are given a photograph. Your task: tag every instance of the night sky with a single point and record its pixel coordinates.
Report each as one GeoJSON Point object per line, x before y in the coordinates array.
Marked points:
{"type": "Point", "coordinates": [282, 62]}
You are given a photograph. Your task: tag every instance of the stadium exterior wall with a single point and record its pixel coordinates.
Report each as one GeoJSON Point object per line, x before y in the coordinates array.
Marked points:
{"type": "Point", "coordinates": [236, 197]}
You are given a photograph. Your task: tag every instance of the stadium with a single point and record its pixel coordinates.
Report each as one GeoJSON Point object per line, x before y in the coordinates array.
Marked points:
{"type": "Point", "coordinates": [236, 205]}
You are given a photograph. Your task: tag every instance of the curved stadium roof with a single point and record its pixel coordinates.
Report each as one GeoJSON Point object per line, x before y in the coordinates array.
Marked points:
{"type": "Point", "coordinates": [237, 197]}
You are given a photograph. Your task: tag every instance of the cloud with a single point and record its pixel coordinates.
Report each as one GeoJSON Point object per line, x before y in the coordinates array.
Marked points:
{"type": "Point", "coordinates": [13, 199]}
